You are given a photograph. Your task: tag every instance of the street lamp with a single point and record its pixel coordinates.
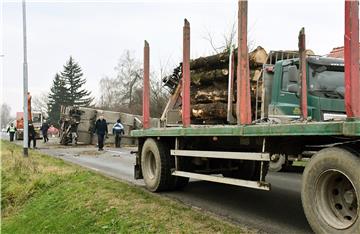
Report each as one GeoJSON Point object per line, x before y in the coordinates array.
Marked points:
{"type": "Point", "coordinates": [25, 85]}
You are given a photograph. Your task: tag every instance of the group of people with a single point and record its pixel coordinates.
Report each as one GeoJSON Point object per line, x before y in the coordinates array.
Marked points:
{"type": "Point", "coordinates": [31, 132]}
{"type": "Point", "coordinates": [101, 130]}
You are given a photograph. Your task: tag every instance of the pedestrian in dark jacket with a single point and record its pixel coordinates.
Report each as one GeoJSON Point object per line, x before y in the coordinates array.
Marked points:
{"type": "Point", "coordinates": [32, 135]}
{"type": "Point", "coordinates": [44, 129]}
{"type": "Point", "coordinates": [101, 130]}
{"type": "Point", "coordinates": [11, 130]}
{"type": "Point", "coordinates": [118, 131]}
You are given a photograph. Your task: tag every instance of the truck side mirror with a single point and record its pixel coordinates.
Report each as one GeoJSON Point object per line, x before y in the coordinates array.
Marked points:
{"type": "Point", "coordinates": [293, 88]}
{"type": "Point", "coordinates": [293, 74]}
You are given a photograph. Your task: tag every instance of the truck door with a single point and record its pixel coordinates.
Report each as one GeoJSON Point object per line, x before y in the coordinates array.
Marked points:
{"type": "Point", "coordinates": [286, 105]}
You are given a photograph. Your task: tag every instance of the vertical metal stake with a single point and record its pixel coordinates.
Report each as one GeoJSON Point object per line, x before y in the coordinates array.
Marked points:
{"type": "Point", "coordinates": [262, 162]}
{"type": "Point", "coordinates": [186, 75]}
{"type": "Point", "coordinates": [146, 89]}
{"type": "Point", "coordinates": [176, 157]}
{"type": "Point", "coordinates": [230, 117]}
{"type": "Point", "coordinates": [351, 57]}
{"type": "Point", "coordinates": [243, 102]}
{"type": "Point", "coordinates": [302, 54]}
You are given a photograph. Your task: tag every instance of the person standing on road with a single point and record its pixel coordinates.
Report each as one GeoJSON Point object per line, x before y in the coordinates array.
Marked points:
{"type": "Point", "coordinates": [11, 130]}
{"type": "Point", "coordinates": [32, 135]}
{"type": "Point", "coordinates": [118, 131]}
{"type": "Point", "coordinates": [44, 129]}
{"type": "Point", "coordinates": [101, 130]}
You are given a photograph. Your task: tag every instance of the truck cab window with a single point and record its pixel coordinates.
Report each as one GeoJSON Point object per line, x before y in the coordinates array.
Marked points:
{"type": "Point", "coordinates": [327, 81]}
{"type": "Point", "coordinates": [286, 80]}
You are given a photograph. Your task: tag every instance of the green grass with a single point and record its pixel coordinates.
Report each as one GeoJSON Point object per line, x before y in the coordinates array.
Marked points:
{"type": "Point", "coordinates": [41, 194]}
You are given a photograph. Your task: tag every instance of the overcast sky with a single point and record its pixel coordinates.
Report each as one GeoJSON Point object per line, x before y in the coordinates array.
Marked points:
{"type": "Point", "coordinates": [96, 33]}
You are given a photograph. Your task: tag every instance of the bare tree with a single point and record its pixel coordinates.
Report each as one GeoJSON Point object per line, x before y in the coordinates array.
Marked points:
{"type": "Point", "coordinates": [109, 92]}
{"type": "Point", "coordinates": [40, 103]}
{"type": "Point", "coordinates": [120, 92]}
{"type": "Point", "coordinates": [229, 40]}
{"type": "Point", "coordinates": [129, 74]}
{"type": "Point", "coordinates": [124, 91]}
{"type": "Point", "coordinates": [159, 97]}
{"type": "Point", "coordinates": [5, 114]}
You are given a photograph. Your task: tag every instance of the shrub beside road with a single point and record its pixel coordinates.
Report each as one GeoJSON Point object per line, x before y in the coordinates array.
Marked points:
{"type": "Point", "coordinates": [41, 194]}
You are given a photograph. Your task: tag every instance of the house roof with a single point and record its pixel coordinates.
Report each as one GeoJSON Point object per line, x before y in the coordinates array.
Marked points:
{"type": "Point", "coordinates": [338, 52]}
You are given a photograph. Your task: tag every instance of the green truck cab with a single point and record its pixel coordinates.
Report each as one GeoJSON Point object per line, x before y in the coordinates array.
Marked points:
{"type": "Point", "coordinates": [325, 83]}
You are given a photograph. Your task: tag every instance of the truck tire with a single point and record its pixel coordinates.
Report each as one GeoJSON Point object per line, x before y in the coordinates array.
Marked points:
{"type": "Point", "coordinates": [277, 162]}
{"type": "Point", "coordinates": [156, 166]}
{"type": "Point", "coordinates": [331, 191]}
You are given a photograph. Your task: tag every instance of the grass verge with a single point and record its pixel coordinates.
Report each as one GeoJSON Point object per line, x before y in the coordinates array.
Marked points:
{"type": "Point", "coordinates": [40, 194]}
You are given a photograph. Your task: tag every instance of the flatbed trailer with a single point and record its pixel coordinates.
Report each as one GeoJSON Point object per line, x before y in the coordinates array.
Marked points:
{"type": "Point", "coordinates": [300, 129]}
{"type": "Point", "coordinates": [240, 154]}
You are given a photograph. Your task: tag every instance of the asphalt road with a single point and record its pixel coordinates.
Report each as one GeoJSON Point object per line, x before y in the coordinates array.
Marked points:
{"type": "Point", "coordinates": [277, 211]}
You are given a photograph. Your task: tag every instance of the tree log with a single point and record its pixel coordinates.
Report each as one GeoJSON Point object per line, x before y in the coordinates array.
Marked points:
{"type": "Point", "coordinates": [217, 92]}
{"type": "Point", "coordinates": [209, 111]}
{"type": "Point", "coordinates": [257, 57]}
{"type": "Point", "coordinates": [205, 77]}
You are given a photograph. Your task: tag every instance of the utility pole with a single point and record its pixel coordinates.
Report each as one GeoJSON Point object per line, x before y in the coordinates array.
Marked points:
{"type": "Point", "coordinates": [25, 86]}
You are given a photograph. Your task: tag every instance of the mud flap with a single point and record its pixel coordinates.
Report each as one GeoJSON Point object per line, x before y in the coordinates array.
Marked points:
{"type": "Point", "coordinates": [137, 168]}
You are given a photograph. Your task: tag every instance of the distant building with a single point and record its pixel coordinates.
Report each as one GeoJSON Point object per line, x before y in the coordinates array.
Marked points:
{"type": "Point", "coordinates": [338, 52]}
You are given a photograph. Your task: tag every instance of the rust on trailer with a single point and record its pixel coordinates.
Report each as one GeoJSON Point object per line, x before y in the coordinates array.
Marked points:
{"type": "Point", "coordinates": [302, 60]}
{"type": "Point", "coordinates": [243, 101]}
{"type": "Point", "coordinates": [351, 59]}
{"type": "Point", "coordinates": [185, 104]}
{"type": "Point", "coordinates": [146, 88]}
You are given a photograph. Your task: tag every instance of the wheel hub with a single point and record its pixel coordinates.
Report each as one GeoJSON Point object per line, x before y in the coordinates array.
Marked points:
{"type": "Point", "coordinates": [275, 157]}
{"type": "Point", "coordinates": [336, 198]}
{"type": "Point", "coordinates": [151, 165]}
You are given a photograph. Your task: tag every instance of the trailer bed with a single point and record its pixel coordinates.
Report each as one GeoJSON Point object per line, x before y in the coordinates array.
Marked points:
{"type": "Point", "coordinates": [333, 128]}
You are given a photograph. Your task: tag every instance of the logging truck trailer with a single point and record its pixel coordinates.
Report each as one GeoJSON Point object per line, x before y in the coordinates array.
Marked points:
{"type": "Point", "coordinates": [239, 154]}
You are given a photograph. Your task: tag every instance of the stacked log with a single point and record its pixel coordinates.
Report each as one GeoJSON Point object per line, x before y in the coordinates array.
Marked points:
{"type": "Point", "coordinates": [209, 84]}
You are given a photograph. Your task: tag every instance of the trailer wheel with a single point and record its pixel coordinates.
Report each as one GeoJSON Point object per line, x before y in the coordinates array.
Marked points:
{"type": "Point", "coordinates": [331, 191]}
{"type": "Point", "coordinates": [277, 162]}
{"type": "Point", "coordinates": [155, 166]}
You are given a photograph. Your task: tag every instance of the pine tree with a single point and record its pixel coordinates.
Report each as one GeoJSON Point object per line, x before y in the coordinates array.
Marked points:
{"type": "Point", "coordinates": [58, 96]}
{"type": "Point", "coordinates": [72, 75]}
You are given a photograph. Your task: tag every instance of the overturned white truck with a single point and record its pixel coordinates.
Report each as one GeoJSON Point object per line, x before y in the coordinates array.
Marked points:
{"type": "Point", "coordinates": [77, 125]}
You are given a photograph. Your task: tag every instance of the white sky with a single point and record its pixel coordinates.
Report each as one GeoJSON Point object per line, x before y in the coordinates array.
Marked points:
{"type": "Point", "coordinates": [96, 33]}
